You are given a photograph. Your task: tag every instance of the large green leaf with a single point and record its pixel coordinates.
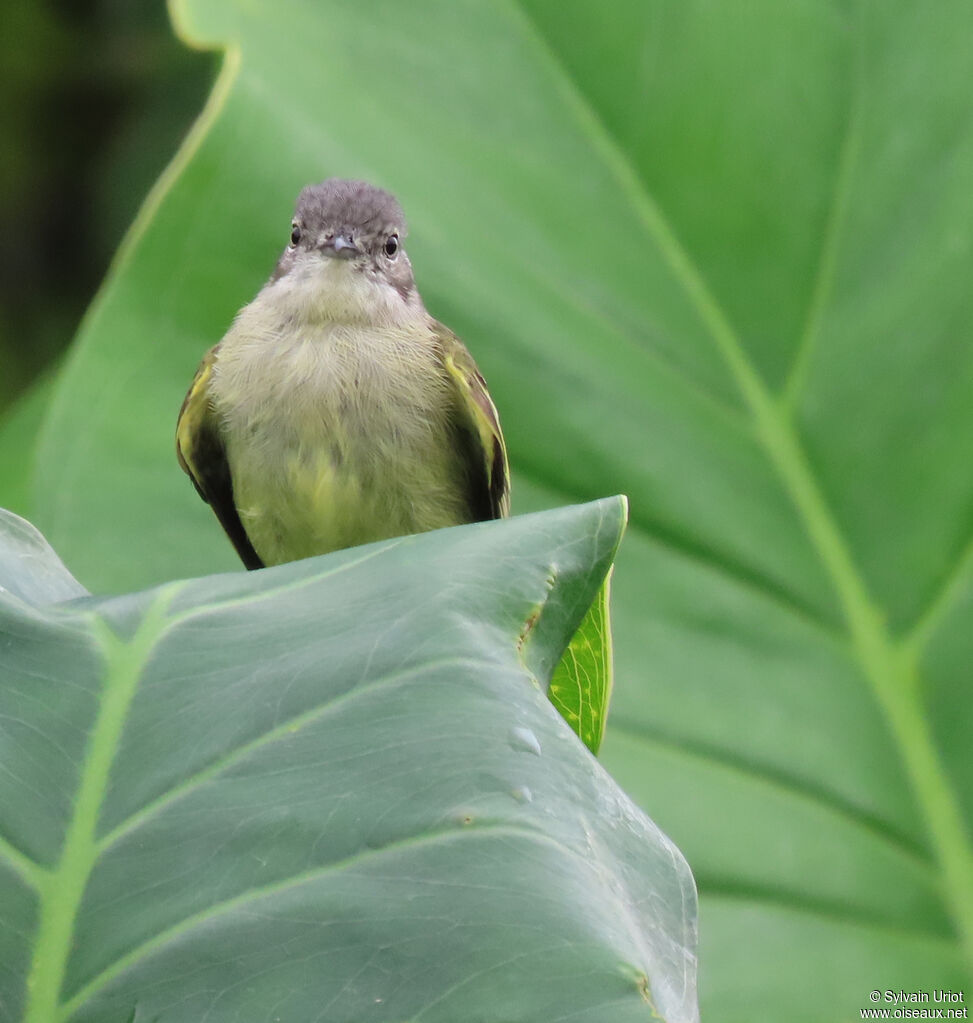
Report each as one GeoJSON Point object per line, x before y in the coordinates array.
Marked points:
{"type": "Point", "coordinates": [328, 790]}
{"type": "Point", "coordinates": [716, 255]}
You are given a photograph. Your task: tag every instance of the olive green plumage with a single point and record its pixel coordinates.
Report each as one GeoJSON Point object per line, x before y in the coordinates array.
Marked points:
{"type": "Point", "coordinates": [336, 411]}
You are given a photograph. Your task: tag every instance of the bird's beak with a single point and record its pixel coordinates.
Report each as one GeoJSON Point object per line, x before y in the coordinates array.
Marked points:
{"type": "Point", "coordinates": [341, 246]}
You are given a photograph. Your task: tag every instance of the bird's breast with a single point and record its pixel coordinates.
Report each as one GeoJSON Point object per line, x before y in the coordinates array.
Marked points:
{"type": "Point", "coordinates": [336, 437]}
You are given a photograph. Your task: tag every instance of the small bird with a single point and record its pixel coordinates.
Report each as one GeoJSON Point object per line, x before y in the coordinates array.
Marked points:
{"type": "Point", "coordinates": [336, 411]}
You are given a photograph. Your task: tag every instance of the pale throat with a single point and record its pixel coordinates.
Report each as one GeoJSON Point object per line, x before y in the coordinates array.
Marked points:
{"type": "Point", "coordinates": [333, 292]}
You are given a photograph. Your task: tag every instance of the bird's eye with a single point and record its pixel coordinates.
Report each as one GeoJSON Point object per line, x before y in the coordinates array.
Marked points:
{"type": "Point", "coordinates": [391, 245]}
{"type": "Point", "coordinates": [295, 234]}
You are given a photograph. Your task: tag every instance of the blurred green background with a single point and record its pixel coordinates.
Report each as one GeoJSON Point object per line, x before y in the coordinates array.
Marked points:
{"type": "Point", "coordinates": [714, 255]}
{"type": "Point", "coordinates": [95, 96]}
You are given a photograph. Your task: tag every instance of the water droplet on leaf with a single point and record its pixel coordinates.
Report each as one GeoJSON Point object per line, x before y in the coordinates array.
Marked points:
{"type": "Point", "coordinates": [523, 740]}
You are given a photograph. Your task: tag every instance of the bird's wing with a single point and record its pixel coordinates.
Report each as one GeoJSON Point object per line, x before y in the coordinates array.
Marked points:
{"type": "Point", "coordinates": [202, 455]}
{"type": "Point", "coordinates": [479, 430]}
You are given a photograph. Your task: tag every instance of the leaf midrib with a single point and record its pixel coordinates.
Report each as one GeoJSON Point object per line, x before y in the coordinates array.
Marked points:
{"type": "Point", "coordinates": [889, 670]}
{"type": "Point", "coordinates": [60, 890]}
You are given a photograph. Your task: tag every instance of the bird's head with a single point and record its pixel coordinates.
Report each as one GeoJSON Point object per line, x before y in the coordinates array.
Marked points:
{"type": "Point", "coordinates": [345, 260]}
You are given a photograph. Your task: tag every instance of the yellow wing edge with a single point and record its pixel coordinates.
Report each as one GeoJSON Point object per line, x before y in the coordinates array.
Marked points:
{"type": "Point", "coordinates": [482, 413]}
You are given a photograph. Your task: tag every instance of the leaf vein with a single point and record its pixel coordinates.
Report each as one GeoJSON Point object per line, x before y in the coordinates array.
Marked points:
{"type": "Point", "coordinates": [284, 729]}
{"type": "Point", "coordinates": [255, 895]}
{"type": "Point", "coordinates": [787, 784]}
{"type": "Point", "coordinates": [837, 214]}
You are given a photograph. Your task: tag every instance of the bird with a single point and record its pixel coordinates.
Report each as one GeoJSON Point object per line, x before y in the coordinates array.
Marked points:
{"type": "Point", "coordinates": [336, 411]}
